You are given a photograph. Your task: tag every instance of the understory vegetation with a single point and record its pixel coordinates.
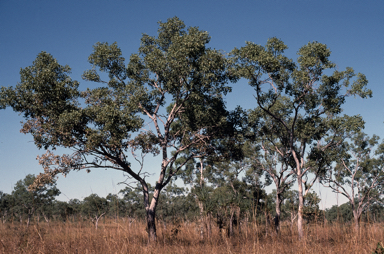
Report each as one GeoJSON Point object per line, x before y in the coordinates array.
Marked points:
{"type": "Point", "coordinates": [129, 236]}
{"type": "Point", "coordinates": [35, 222]}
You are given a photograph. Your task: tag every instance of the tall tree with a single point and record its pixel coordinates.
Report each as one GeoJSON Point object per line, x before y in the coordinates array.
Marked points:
{"type": "Point", "coordinates": [175, 81]}
{"type": "Point", "coordinates": [311, 123]}
{"type": "Point", "coordinates": [358, 174]}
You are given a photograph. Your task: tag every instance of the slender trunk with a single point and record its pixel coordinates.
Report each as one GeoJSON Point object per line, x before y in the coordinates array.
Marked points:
{"type": "Point", "coordinates": [301, 206]}
{"type": "Point", "coordinates": [238, 219]}
{"type": "Point", "coordinates": [220, 223]}
{"type": "Point", "coordinates": [208, 224]}
{"type": "Point", "coordinates": [246, 225]}
{"type": "Point", "coordinates": [4, 217]}
{"type": "Point", "coordinates": [29, 216]}
{"type": "Point", "coordinates": [97, 218]}
{"type": "Point", "coordinates": [201, 219]}
{"type": "Point", "coordinates": [292, 220]}
{"type": "Point", "coordinates": [46, 218]}
{"type": "Point", "coordinates": [230, 229]}
{"type": "Point", "coordinates": [200, 203]}
{"type": "Point", "coordinates": [266, 214]}
{"type": "Point", "coordinates": [278, 213]}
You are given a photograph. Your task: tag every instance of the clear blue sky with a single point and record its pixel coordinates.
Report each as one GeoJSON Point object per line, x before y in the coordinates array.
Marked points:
{"type": "Point", "coordinates": [353, 30]}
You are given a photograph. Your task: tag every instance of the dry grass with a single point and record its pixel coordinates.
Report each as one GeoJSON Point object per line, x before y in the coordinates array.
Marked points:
{"type": "Point", "coordinates": [124, 237]}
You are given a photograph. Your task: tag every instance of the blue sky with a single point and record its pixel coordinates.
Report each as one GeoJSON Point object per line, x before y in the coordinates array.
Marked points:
{"type": "Point", "coordinates": [353, 30]}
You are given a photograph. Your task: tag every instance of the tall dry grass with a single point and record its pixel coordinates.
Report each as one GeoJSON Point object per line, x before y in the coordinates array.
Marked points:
{"type": "Point", "coordinates": [123, 236]}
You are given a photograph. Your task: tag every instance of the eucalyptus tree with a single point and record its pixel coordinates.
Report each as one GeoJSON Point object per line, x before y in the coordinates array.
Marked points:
{"type": "Point", "coordinates": [263, 156]}
{"type": "Point", "coordinates": [167, 99]}
{"type": "Point", "coordinates": [27, 202]}
{"type": "Point", "coordinates": [312, 95]}
{"type": "Point", "coordinates": [358, 173]}
{"type": "Point", "coordinates": [94, 207]}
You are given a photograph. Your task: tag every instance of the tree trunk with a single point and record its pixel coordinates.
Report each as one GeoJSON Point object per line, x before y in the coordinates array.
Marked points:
{"type": "Point", "coordinates": [278, 213]}
{"type": "Point", "coordinates": [97, 218]}
{"type": "Point", "coordinates": [266, 215]}
{"type": "Point", "coordinates": [201, 219]}
{"type": "Point", "coordinates": [151, 225]}
{"type": "Point", "coordinates": [293, 217]}
{"type": "Point", "coordinates": [356, 217]}
{"type": "Point", "coordinates": [200, 203]}
{"type": "Point", "coordinates": [230, 228]}
{"type": "Point", "coordinates": [4, 217]}
{"type": "Point", "coordinates": [238, 219]}
{"type": "Point", "coordinates": [151, 213]}
{"type": "Point", "coordinates": [30, 212]}
{"type": "Point", "coordinates": [301, 207]}
{"type": "Point", "coordinates": [208, 224]}
{"type": "Point", "coordinates": [28, 220]}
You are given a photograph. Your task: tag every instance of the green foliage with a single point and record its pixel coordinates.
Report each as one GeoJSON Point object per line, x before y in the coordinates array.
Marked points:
{"type": "Point", "coordinates": [312, 211]}
{"type": "Point", "coordinates": [342, 213]}
{"type": "Point", "coordinates": [225, 194]}
{"type": "Point", "coordinates": [26, 202]}
{"type": "Point", "coordinates": [6, 202]}
{"type": "Point", "coordinates": [379, 249]}
{"type": "Point", "coordinates": [302, 103]}
{"type": "Point", "coordinates": [133, 198]}
{"type": "Point", "coordinates": [94, 206]}
{"type": "Point", "coordinates": [177, 204]}
{"type": "Point", "coordinates": [47, 97]}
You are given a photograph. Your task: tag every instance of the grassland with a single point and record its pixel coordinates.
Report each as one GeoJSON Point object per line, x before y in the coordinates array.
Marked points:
{"type": "Point", "coordinates": [122, 236]}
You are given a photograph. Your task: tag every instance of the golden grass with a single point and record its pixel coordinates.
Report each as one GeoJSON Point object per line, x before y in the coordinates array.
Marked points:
{"type": "Point", "coordinates": [125, 237]}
